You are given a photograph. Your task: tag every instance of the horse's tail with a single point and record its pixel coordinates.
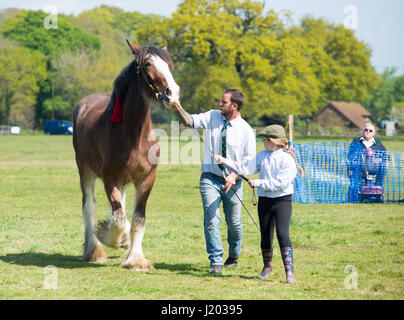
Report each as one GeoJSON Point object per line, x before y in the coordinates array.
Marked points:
{"type": "Point", "coordinates": [76, 112]}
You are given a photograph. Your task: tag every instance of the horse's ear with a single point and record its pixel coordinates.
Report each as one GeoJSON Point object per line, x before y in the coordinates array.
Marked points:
{"type": "Point", "coordinates": [134, 48]}
{"type": "Point", "coordinates": [164, 48]}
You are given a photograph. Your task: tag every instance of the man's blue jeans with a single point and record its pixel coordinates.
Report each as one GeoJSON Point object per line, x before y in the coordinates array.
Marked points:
{"type": "Point", "coordinates": [212, 192]}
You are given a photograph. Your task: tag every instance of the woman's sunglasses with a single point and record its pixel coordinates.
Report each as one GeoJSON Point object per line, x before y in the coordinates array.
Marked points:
{"type": "Point", "coordinates": [366, 130]}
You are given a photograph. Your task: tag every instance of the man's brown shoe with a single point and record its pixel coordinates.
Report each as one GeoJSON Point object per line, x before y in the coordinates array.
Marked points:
{"type": "Point", "coordinates": [216, 269]}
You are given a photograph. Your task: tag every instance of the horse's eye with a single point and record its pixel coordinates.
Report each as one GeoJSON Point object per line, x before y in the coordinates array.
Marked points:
{"type": "Point", "coordinates": [147, 64]}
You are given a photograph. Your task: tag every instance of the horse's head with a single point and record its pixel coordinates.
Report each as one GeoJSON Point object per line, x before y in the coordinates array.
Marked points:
{"type": "Point", "coordinates": [155, 66]}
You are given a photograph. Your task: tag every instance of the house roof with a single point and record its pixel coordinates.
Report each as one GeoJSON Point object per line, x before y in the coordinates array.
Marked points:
{"type": "Point", "coordinates": [353, 111]}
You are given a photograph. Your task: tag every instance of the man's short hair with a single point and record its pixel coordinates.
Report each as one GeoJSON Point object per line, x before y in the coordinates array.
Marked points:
{"type": "Point", "coordinates": [236, 97]}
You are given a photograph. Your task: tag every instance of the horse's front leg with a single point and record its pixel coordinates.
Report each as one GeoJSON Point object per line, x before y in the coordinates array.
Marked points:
{"type": "Point", "coordinates": [115, 232]}
{"type": "Point", "coordinates": [135, 259]}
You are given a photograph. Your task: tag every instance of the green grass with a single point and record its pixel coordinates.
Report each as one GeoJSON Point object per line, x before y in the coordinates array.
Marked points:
{"type": "Point", "coordinates": [41, 225]}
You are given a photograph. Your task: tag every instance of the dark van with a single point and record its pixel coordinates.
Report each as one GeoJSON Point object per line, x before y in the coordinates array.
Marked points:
{"type": "Point", "coordinates": [58, 127]}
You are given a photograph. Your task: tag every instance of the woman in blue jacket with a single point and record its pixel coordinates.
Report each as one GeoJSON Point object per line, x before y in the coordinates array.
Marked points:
{"type": "Point", "coordinates": [367, 162]}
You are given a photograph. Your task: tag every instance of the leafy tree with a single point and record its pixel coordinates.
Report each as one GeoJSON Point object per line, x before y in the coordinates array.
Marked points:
{"type": "Point", "coordinates": [206, 90]}
{"type": "Point", "coordinates": [128, 22]}
{"type": "Point", "coordinates": [21, 71]}
{"type": "Point", "coordinates": [355, 76]}
{"type": "Point", "coordinates": [114, 50]}
{"type": "Point", "coordinates": [208, 40]}
{"type": "Point", "coordinates": [339, 61]}
{"type": "Point", "coordinates": [61, 108]}
{"type": "Point", "coordinates": [397, 113]}
{"type": "Point", "coordinates": [399, 89]}
{"type": "Point", "coordinates": [389, 92]}
{"type": "Point", "coordinates": [96, 21]}
{"type": "Point", "coordinates": [80, 73]}
{"type": "Point", "coordinates": [27, 27]}
{"type": "Point", "coordinates": [6, 13]}
{"type": "Point", "coordinates": [5, 42]}
{"type": "Point", "coordinates": [280, 69]}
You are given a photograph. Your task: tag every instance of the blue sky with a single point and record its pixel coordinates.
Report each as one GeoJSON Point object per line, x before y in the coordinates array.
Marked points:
{"type": "Point", "coordinates": [379, 23]}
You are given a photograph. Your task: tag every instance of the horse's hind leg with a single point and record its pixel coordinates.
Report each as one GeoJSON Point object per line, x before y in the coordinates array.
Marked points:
{"type": "Point", "coordinates": [115, 232]}
{"type": "Point", "coordinates": [92, 249]}
{"type": "Point", "coordinates": [135, 259]}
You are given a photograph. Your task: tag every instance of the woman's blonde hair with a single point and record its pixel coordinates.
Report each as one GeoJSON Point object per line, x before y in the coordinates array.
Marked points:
{"type": "Point", "coordinates": [283, 143]}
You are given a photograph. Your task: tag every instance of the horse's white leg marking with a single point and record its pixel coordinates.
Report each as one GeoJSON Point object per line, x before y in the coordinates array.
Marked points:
{"type": "Point", "coordinates": [136, 241]}
{"type": "Point", "coordinates": [135, 259]}
{"type": "Point", "coordinates": [89, 213]}
{"type": "Point", "coordinates": [92, 248]}
{"type": "Point", "coordinates": [123, 198]}
{"type": "Point", "coordinates": [163, 68]}
{"type": "Point", "coordinates": [124, 235]}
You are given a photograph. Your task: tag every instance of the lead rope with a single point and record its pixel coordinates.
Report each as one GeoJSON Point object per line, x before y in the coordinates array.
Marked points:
{"type": "Point", "coordinates": [258, 228]}
{"type": "Point", "coordinates": [254, 198]}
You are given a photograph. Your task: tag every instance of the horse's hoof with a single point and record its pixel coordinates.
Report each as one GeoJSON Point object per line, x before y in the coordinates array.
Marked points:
{"type": "Point", "coordinates": [98, 255]}
{"type": "Point", "coordinates": [125, 241]}
{"type": "Point", "coordinates": [111, 236]}
{"type": "Point", "coordinates": [140, 265]}
{"type": "Point", "coordinates": [119, 220]}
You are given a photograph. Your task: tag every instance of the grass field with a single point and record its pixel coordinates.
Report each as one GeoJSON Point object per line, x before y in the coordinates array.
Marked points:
{"type": "Point", "coordinates": [341, 251]}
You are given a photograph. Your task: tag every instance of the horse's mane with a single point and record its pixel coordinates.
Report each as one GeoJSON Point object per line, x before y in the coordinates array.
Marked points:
{"type": "Point", "coordinates": [122, 81]}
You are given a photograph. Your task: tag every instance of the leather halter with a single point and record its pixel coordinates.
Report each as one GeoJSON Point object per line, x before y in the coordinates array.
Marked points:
{"type": "Point", "coordinates": [146, 79]}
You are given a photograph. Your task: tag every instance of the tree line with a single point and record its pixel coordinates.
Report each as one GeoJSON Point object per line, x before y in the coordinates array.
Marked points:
{"type": "Point", "coordinates": [282, 67]}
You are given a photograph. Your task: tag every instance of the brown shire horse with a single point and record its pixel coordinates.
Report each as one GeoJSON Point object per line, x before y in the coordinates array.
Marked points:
{"type": "Point", "coordinates": [113, 140]}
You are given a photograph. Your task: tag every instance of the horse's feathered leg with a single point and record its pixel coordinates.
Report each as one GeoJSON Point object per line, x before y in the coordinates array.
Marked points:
{"type": "Point", "coordinates": [135, 259]}
{"type": "Point", "coordinates": [115, 232]}
{"type": "Point", "coordinates": [92, 249]}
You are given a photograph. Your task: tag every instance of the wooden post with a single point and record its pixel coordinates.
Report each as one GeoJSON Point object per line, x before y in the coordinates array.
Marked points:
{"type": "Point", "coordinates": [291, 137]}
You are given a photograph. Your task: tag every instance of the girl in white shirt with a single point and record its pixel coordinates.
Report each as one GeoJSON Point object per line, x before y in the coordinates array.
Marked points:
{"type": "Point", "coordinates": [278, 168]}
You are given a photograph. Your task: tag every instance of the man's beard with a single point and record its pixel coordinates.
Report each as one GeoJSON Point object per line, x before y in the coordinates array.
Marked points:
{"type": "Point", "coordinates": [226, 113]}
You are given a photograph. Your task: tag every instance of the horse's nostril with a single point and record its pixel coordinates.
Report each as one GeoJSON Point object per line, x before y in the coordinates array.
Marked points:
{"type": "Point", "coordinates": [168, 92]}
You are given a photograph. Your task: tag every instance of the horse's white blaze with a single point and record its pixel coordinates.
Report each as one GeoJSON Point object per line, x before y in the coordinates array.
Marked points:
{"type": "Point", "coordinates": [163, 68]}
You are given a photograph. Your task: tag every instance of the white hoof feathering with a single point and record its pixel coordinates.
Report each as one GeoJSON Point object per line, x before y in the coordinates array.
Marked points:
{"type": "Point", "coordinates": [137, 263]}
{"type": "Point", "coordinates": [94, 253]}
{"type": "Point", "coordinates": [112, 234]}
